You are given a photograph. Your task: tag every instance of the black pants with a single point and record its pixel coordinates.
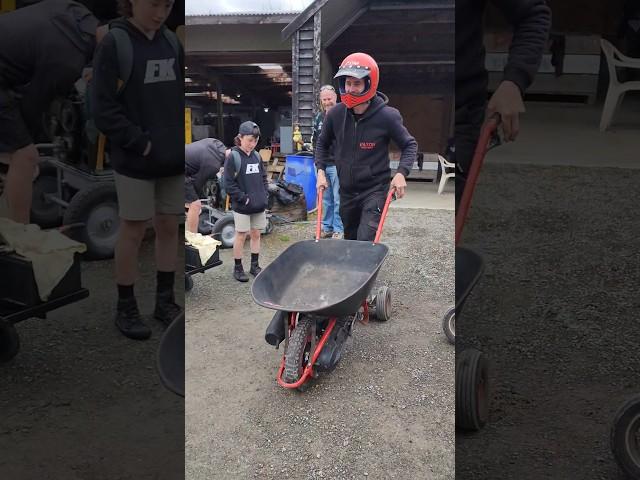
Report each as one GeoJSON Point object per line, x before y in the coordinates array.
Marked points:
{"type": "Point", "coordinates": [361, 212]}
{"type": "Point", "coordinates": [469, 120]}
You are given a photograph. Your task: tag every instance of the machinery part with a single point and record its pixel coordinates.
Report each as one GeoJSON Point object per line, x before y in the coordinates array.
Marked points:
{"type": "Point", "coordinates": [97, 208]}
{"type": "Point", "coordinates": [383, 304]}
{"type": "Point", "coordinates": [224, 230]}
{"type": "Point", "coordinates": [625, 437]}
{"type": "Point", "coordinates": [472, 390]}
{"type": "Point", "coordinates": [45, 212]}
{"type": "Point", "coordinates": [9, 341]}
{"type": "Point", "coordinates": [298, 351]}
{"type": "Point", "coordinates": [449, 325]}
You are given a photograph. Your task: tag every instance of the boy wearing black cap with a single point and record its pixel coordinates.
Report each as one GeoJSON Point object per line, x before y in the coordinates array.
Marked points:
{"type": "Point", "coordinates": [247, 187]}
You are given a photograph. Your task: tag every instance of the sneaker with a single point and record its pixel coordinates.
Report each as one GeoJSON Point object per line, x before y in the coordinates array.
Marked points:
{"type": "Point", "coordinates": [338, 235]}
{"type": "Point", "coordinates": [326, 235]}
{"type": "Point", "coordinates": [255, 269]}
{"type": "Point", "coordinates": [239, 274]}
{"type": "Point", "coordinates": [129, 322]}
{"type": "Point", "coordinates": [167, 310]}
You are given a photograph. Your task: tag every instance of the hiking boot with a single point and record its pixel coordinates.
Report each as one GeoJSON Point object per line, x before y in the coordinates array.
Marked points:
{"type": "Point", "coordinates": [255, 269]}
{"type": "Point", "coordinates": [239, 274]}
{"type": "Point", "coordinates": [129, 322]}
{"type": "Point", "coordinates": [338, 235]}
{"type": "Point", "coordinates": [167, 310]}
{"type": "Point", "coordinates": [326, 235]}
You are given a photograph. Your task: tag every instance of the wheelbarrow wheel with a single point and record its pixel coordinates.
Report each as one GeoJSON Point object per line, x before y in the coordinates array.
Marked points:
{"type": "Point", "coordinates": [383, 304]}
{"type": "Point", "coordinates": [472, 390]}
{"type": "Point", "coordinates": [9, 341]}
{"type": "Point", "coordinates": [299, 351]}
{"type": "Point", "coordinates": [449, 325]}
{"type": "Point", "coordinates": [188, 282]}
{"type": "Point", "coordinates": [224, 230]}
{"type": "Point", "coordinates": [625, 437]}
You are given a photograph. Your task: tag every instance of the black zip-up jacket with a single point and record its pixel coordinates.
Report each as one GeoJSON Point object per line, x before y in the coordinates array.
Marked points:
{"type": "Point", "coordinates": [150, 108]}
{"type": "Point", "coordinates": [531, 20]}
{"type": "Point", "coordinates": [43, 49]}
{"type": "Point", "coordinates": [361, 148]}
{"type": "Point", "coordinates": [202, 161]}
{"type": "Point", "coordinates": [251, 182]}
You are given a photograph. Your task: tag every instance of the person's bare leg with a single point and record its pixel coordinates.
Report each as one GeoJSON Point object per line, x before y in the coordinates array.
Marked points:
{"type": "Point", "coordinates": [19, 183]}
{"type": "Point", "coordinates": [166, 227]}
{"type": "Point", "coordinates": [255, 241]}
{"type": "Point", "coordinates": [127, 249]}
{"type": "Point", "coordinates": [238, 245]}
{"type": "Point", "coordinates": [193, 216]}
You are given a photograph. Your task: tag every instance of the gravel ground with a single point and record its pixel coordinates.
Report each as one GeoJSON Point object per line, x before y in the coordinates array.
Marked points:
{"type": "Point", "coordinates": [387, 411]}
{"type": "Point", "coordinates": [556, 313]}
{"type": "Point", "coordinates": [80, 401]}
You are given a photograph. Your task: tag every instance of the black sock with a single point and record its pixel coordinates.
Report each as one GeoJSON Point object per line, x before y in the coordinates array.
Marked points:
{"type": "Point", "coordinates": [238, 262]}
{"type": "Point", "coordinates": [125, 292]}
{"type": "Point", "coordinates": [254, 258]}
{"type": "Point", "coordinates": [165, 281]}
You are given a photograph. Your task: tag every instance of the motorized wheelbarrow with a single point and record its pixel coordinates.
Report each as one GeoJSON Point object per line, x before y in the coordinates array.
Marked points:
{"type": "Point", "coordinates": [319, 289]}
{"type": "Point", "coordinates": [472, 366]}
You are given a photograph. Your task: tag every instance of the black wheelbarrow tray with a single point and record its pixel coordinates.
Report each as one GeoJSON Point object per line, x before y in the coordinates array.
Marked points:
{"type": "Point", "coordinates": [326, 277]}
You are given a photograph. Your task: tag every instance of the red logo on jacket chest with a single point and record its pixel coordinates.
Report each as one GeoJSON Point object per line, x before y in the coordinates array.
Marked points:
{"type": "Point", "coordinates": [367, 145]}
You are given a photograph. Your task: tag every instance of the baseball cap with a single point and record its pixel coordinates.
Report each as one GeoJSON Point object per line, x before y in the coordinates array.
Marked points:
{"type": "Point", "coordinates": [249, 128]}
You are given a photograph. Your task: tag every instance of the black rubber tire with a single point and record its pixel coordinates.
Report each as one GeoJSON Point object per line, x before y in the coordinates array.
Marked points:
{"type": "Point", "coordinates": [449, 325]}
{"type": "Point", "coordinates": [298, 350]}
{"type": "Point", "coordinates": [9, 341]}
{"type": "Point", "coordinates": [383, 304]}
{"type": "Point", "coordinates": [96, 207]}
{"type": "Point", "coordinates": [222, 231]}
{"type": "Point", "coordinates": [188, 282]}
{"type": "Point", "coordinates": [45, 213]}
{"type": "Point", "coordinates": [625, 437]}
{"type": "Point", "coordinates": [472, 390]}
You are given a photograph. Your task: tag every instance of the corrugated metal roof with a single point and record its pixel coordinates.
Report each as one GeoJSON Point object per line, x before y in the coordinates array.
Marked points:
{"type": "Point", "coordinates": [195, 8]}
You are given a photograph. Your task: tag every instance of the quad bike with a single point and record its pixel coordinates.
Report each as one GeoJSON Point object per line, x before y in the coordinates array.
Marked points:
{"type": "Point", "coordinates": [320, 288]}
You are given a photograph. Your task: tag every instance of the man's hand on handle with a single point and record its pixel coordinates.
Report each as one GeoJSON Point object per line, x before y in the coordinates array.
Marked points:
{"type": "Point", "coordinates": [507, 102]}
{"type": "Point", "coordinates": [399, 183]}
{"type": "Point", "coordinates": [321, 182]}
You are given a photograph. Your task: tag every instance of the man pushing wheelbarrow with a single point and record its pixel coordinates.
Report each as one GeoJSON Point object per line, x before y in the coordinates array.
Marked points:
{"type": "Point", "coordinates": [324, 286]}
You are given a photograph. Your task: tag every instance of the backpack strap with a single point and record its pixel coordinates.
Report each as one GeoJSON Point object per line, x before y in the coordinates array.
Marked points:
{"type": "Point", "coordinates": [172, 38]}
{"type": "Point", "coordinates": [237, 161]}
{"type": "Point", "coordinates": [124, 52]}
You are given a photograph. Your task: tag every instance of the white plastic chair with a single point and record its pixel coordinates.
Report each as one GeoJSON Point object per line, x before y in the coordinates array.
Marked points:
{"type": "Point", "coordinates": [617, 89]}
{"type": "Point", "coordinates": [444, 164]}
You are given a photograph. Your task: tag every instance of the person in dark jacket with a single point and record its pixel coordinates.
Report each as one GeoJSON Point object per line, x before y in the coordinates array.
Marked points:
{"type": "Point", "coordinates": [331, 222]}
{"type": "Point", "coordinates": [144, 124]}
{"type": "Point", "coordinates": [248, 190]}
{"type": "Point", "coordinates": [360, 129]}
{"type": "Point", "coordinates": [44, 48]}
{"type": "Point", "coordinates": [202, 161]}
{"type": "Point", "coordinates": [531, 20]}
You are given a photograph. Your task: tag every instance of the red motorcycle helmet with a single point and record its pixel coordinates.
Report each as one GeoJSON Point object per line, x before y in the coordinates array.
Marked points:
{"type": "Point", "coordinates": [358, 65]}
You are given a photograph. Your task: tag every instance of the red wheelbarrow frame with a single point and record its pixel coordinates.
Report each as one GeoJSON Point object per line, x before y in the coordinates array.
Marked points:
{"type": "Point", "coordinates": [308, 370]}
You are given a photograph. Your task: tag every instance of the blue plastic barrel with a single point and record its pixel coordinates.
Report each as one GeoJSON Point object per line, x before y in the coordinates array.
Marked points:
{"type": "Point", "coordinates": [301, 171]}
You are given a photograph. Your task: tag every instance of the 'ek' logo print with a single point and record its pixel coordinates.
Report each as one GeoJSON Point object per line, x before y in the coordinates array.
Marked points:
{"type": "Point", "coordinates": [160, 71]}
{"type": "Point", "coordinates": [252, 168]}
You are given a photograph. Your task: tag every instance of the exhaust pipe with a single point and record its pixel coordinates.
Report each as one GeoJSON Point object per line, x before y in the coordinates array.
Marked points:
{"type": "Point", "coordinates": [275, 331]}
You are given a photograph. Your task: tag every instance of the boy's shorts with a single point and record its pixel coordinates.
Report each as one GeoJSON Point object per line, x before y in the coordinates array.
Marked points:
{"type": "Point", "coordinates": [14, 133]}
{"type": "Point", "coordinates": [255, 221]}
{"type": "Point", "coordinates": [141, 199]}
